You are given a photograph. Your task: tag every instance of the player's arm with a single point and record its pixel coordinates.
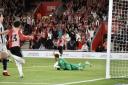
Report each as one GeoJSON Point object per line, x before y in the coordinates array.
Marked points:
{"type": "Point", "coordinates": [4, 32]}
{"type": "Point", "coordinates": [25, 37]}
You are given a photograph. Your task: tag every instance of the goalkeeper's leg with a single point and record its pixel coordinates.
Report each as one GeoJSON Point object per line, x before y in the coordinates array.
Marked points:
{"type": "Point", "coordinates": [85, 65]}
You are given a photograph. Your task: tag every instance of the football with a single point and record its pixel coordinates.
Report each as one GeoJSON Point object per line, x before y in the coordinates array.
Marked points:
{"type": "Point", "coordinates": [56, 66]}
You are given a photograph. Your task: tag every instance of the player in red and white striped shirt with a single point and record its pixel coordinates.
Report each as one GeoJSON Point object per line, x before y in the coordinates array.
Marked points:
{"type": "Point", "coordinates": [15, 36]}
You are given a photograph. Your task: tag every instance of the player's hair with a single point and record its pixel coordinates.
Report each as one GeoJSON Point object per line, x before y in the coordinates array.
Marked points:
{"type": "Point", "coordinates": [56, 55]}
{"type": "Point", "coordinates": [17, 24]}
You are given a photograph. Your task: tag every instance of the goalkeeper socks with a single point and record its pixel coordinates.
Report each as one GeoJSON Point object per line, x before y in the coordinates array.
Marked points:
{"type": "Point", "coordinates": [19, 67]}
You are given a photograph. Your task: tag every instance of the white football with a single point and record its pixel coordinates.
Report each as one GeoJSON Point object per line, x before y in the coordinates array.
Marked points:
{"type": "Point", "coordinates": [56, 66]}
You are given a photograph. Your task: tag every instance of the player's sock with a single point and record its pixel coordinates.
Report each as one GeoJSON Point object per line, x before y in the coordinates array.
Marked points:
{"type": "Point", "coordinates": [19, 66]}
{"type": "Point", "coordinates": [4, 62]}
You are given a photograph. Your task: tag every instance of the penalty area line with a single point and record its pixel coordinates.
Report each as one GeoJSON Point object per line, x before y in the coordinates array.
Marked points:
{"type": "Point", "coordinates": [24, 83]}
{"type": "Point", "coordinates": [30, 67]}
{"type": "Point", "coordinates": [78, 82]}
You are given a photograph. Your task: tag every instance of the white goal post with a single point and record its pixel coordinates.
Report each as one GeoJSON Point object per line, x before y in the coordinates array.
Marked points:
{"type": "Point", "coordinates": [117, 43]}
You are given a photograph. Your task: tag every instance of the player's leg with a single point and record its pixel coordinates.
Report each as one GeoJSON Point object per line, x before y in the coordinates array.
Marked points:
{"type": "Point", "coordinates": [75, 66]}
{"type": "Point", "coordinates": [80, 66]}
{"type": "Point", "coordinates": [20, 69]}
{"type": "Point", "coordinates": [6, 53]}
{"type": "Point", "coordinates": [5, 72]}
{"type": "Point", "coordinates": [17, 58]}
{"type": "Point", "coordinates": [4, 58]}
{"type": "Point", "coordinates": [3, 54]}
{"type": "Point", "coordinates": [16, 51]}
{"type": "Point", "coordinates": [84, 65]}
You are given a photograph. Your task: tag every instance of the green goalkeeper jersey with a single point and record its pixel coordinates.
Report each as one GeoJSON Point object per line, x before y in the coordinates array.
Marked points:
{"type": "Point", "coordinates": [67, 66]}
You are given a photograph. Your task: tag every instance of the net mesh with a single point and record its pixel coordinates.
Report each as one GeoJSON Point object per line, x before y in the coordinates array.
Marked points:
{"type": "Point", "coordinates": [119, 39]}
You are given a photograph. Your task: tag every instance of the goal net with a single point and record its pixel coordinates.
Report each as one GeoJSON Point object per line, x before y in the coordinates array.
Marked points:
{"type": "Point", "coordinates": [118, 40]}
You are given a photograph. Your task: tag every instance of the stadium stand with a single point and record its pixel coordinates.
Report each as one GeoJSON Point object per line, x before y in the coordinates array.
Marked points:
{"type": "Point", "coordinates": [75, 21]}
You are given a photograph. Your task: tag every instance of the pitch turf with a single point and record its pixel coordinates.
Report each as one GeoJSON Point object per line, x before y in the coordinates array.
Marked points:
{"type": "Point", "coordinates": [40, 71]}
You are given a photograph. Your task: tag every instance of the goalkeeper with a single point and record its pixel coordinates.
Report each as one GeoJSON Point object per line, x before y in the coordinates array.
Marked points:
{"type": "Point", "coordinates": [62, 64]}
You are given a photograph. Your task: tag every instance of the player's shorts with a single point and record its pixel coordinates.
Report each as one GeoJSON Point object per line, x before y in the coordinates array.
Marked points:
{"type": "Point", "coordinates": [16, 51]}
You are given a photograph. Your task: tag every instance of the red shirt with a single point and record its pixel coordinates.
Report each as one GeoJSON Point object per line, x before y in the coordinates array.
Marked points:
{"type": "Point", "coordinates": [14, 38]}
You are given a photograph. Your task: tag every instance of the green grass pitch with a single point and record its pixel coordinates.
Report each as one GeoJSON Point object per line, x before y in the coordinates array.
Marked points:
{"type": "Point", "coordinates": [40, 71]}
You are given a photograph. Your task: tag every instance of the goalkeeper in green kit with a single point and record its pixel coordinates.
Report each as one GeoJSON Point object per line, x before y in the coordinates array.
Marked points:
{"type": "Point", "coordinates": [62, 64]}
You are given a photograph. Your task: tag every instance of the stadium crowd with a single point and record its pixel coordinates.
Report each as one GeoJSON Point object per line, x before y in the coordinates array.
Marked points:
{"type": "Point", "coordinates": [72, 29]}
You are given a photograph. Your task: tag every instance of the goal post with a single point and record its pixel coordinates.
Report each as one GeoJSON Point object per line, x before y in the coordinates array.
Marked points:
{"type": "Point", "coordinates": [109, 39]}
{"type": "Point", "coordinates": [117, 40]}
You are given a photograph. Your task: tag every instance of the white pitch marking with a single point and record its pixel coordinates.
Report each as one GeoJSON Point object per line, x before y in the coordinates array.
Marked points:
{"type": "Point", "coordinates": [77, 82]}
{"type": "Point", "coordinates": [31, 67]}
{"type": "Point", "coordinates": [27, 83]}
